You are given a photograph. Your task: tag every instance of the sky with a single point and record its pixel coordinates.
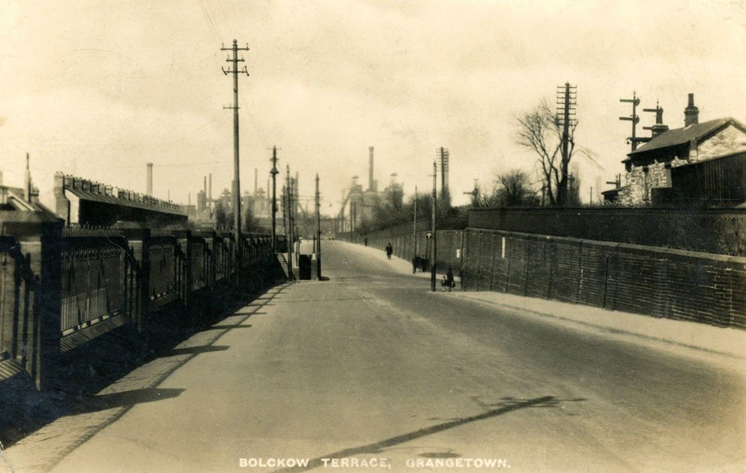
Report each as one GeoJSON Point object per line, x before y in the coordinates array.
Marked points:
{"type": "Point", "coordinates": [99, 88]}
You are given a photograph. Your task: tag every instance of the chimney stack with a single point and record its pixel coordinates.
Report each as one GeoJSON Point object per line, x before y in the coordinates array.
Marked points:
{"type": "Point", "coordinates": [149, 184]}
{"type": "Point", "coordinates": [209, 193]}
{"type": "Point", "coordinates": [691, 113]}
{"type": "Point", "coordinates": [371, 184]}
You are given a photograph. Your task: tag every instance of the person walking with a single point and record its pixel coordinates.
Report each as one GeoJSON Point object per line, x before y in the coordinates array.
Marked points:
{"type": "Point", "coordinates": [389, 250]}
{"type": "Point", "coordinates": [450, 283]}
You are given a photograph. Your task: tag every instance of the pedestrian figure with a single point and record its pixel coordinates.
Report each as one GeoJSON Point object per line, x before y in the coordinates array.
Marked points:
{"type": "Point", "coordinates": [366, 241]}
{"type": "Point", "coordinates": [389, 250]}
{"type": "Point", "coordinates": [449, 280]}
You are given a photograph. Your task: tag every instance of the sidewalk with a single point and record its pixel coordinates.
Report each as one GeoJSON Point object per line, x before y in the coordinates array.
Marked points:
{"type": "Point", "coordinates": [706, 338]}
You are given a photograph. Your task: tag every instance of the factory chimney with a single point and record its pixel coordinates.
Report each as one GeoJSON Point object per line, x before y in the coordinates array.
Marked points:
{"type": "Point", "coordinates": [27, 182]}
{"type": "Point", "coordinates": [371, 184]}
{"type": "Point", "coordinates": [209, 193]}
{"type": "Point", "coordinates": [149, 183]}
{"type": "Point", "coordinates": [691, 113]}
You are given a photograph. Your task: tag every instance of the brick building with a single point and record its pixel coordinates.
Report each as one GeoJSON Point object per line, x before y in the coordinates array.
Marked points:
{"type": "Point", "coordinates": [648, 178]}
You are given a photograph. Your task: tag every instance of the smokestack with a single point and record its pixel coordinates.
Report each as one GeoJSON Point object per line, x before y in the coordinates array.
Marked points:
{"type": "Point", "coordinates": [205, 185]}
{"type": "Point", "coordinates": [27, 180]}
{"type": "Point", "coordinates": [149, 183]}
{"type": "Point", "coordinates": [691, 113]}
{"type": "Point", "coordinates": [256, 181]}
{"type": "Point", "coordinates": [371, 184]}
{"type": "Point", "coordinates": [209, 193]}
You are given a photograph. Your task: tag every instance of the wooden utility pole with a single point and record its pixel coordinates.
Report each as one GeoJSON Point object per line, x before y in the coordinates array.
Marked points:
{"type": "Point", "coordinates": [289, 231]}
{"type": "Point", "coordinates": [274, 173]}
{"type": "Point", "coordinates": [435, 206]}
{"type": "Point", "coordinates": [236, 180]}
{"type": "Point", "coordinates": [566, 102]}
{"type": "Point", "coordinates": [414, 234]}
{"type": "Point", "coordinates": [318, 229]}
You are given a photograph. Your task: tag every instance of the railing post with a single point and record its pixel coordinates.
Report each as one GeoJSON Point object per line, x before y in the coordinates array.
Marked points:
{"type": "Point", "coordinates": [48, 322]}
{"type": "Point", "coordinates": [213, 265]}
{"type": "Point", "coordinates": [188, 271]}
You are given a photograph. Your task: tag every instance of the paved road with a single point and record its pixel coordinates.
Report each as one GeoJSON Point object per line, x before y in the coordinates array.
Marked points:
{"type": "Point", "coordinates": [370, 366]}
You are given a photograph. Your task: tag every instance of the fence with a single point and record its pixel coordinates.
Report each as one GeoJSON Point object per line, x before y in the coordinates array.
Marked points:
{"type": "Point", "coordinates": [60, 288]}
{"type": "Point", "coordinates": [660, 282]}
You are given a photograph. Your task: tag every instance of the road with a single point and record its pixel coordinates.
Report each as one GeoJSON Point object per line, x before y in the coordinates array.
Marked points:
{"type": "Point", "coordinates": [370, 365]}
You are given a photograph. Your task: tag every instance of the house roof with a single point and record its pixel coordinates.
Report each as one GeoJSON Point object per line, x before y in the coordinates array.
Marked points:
{"type": "Point", "coordinates": [680, 136]}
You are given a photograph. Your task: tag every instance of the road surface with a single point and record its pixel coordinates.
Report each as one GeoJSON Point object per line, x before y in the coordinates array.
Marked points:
{"type": "Point", "coordinates": [369, 371]}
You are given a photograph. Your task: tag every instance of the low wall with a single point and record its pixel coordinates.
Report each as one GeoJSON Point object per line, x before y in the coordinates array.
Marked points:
{"type": "Point", "coordinates": [675, 284]}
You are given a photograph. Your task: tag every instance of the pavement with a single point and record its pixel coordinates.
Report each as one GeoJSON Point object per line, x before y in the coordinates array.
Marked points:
{"type": "Point", "coordinates": [370, 371]}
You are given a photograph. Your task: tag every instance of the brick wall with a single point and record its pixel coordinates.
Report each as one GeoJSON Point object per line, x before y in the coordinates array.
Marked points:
{"type": "Point", "coordinates": [719, 231]}
{"type": "Point", "coordinates": [675, 284]}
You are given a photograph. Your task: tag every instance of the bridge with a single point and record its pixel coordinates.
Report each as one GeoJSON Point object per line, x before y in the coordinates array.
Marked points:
{"type": "Point", "coordinates": [370, 370]}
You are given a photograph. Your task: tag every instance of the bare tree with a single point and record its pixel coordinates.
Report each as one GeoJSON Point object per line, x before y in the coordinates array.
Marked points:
{"type": "Point", "coordinates": [513, 189]}
{"type": "Point", "coordinates": [509, 189]}
{"type": "Point", "coordinates": [223, 219]}
{"type": "Point", "coordinates": [541, 131]}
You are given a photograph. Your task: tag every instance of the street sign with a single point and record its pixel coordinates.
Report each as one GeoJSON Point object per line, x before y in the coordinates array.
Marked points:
{"type": "Point", "coordinates": [429, 234]}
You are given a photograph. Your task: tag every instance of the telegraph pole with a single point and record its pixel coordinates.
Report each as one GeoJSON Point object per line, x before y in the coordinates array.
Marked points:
{"type": "Point", "coordinates": [274, 173]}
{"type": "Point", "coordinates": [435, 205]}
{"type": "Point", "coordinates": [289, 231]}
{"type": "Point", "coordinates": [414, 233]}
{"type": "Point", "coordinates": [318, 229]}
{"type": "Point", "coordinates": [566, 103]}
{"type": "Point", "coordinates": [236, 180]}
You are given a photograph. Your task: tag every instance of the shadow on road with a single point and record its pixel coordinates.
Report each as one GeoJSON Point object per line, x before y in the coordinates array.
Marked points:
{"type": "Point", "coordinates": [195, 350]}
{"type": "Point", "coordinates": [83, 394]}
{"type": "Point", "coordinates": [125, 399]}
{"type": "Point", "coordinates": [228, 327]}
{"type": "Point", "coordinates": [506, 405]}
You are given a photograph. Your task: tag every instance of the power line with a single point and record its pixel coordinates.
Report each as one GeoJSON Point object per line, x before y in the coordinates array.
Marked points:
{"type": "Point", "coordinates": [210, 24]}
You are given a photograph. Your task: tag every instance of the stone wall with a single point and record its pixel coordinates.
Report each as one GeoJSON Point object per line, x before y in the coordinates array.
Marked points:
{"type": "Point", "coordinates": [641, 180]}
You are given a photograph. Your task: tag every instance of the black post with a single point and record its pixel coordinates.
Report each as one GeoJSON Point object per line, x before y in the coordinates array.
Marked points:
{"type": "Point", "coordinates": [48, 322]}
{"type": "Point", "coordinates": [144, 305]}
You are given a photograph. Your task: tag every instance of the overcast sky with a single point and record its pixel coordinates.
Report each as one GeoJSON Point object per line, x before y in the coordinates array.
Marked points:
{"type": "Point", "coordinates": [100, 88]}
